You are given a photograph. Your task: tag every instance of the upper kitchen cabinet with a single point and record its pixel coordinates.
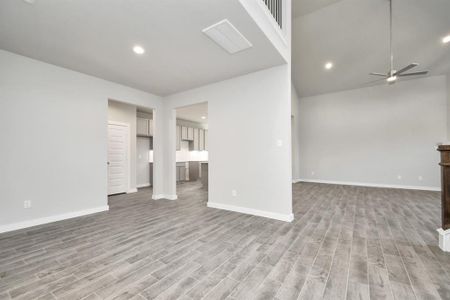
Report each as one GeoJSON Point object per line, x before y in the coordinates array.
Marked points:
{"type": "Point", "coordinates": [195, 145]}
{"type": "Point", "coordinates": [197, 138]}
{"type": "Point", "coordinates": [201, 144]}
{"type": "Point", "coordinates": [151, 127]}
{"type": "Point", "coordinates": [184, 133]}
{"type": "Point", "coordinates": [144, 127]}
{"type": "Point", "coordinates": [187, 133]}
{"type": "Point", "coordinates": [178, 137]}
{"type": "Point", "coordinates": [190, 134]}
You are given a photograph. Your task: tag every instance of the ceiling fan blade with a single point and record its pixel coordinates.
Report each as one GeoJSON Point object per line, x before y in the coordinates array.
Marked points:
{"type": "Point", "coordinates": [373, 82]}
{"type": "Point", "coordinates": [378, 74]}
{"type": "Point", "coordinates": [414, 74]}
{"type": "Point", "coordinates": [409, 67]}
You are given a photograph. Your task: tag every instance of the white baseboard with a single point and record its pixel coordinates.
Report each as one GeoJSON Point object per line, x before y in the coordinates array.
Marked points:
{"type": "Point", "coordinates": [143, 185]}
{"type": "Point", "coordinates": [51, 219]}
{"type": "Point", "coordinates": [130, 191]}
{"type": "Point", "coordinates": [296, 180]}
{"type": "Point", "coordinates": [379, 185]}
{"type": "Point", "coordinates": [251, 211]}
{"type": "Point", "coordinates": [162, 196]}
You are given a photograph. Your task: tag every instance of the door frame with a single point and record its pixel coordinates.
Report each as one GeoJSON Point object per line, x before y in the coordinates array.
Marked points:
{"type": "Point", "coordinates": [128, 167]}
{"type": "Point", "coordinates": [173, 181]}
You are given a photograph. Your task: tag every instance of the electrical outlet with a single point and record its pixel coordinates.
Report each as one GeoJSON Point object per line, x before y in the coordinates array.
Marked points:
{"type": "Point", "coordinates": [279, 143]}
{"type": "Point", "coordinates": [420, 178]}
{"type": "Point", "coordinates": [399, 177]}
{"type": "Point", "coordinates": [26, 204]}
{"type": "Point", "coordinates": [233, 193]}
{"type": "Point", "coordinates": [312, 173]}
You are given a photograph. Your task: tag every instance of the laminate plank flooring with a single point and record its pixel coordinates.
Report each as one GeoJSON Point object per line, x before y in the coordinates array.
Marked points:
{"type": "Point", "coordinates": [345, 243]}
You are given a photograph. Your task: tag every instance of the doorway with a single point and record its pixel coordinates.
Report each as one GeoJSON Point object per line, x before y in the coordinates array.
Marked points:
{"type": "Point", "coordinates": [130, 141]}
{"type": "Point", "coordinates": [142, 162]}
{"type": "Point", "coordinates": [192, 150]}
{"type": "Point", "coordinates": [118, 157]}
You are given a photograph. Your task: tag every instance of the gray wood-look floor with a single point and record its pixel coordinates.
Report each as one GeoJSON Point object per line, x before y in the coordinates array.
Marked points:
{"type": "Point", "coordinates": [345, 243]}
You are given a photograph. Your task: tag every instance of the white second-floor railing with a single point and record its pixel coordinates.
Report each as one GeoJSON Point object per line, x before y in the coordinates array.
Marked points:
{"type": "Point", "coordinates": [276, 9]}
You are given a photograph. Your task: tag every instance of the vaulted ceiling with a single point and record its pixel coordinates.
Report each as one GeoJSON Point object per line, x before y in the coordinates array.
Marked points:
{"type": "Point", "coordinates": [354, 35]}
{"type": "Point", "coordinates": [96, 38]}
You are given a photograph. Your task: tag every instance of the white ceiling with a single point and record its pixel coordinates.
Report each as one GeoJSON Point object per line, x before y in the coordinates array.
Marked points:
{"type": "Point", "coordinates": [303, 7]}
{"type": "Point", "coordinates": [194, 113]}
{"type": "Point", "coordinates": [96, 37]}
{"type": "Point", "coordinates": [353, 34]}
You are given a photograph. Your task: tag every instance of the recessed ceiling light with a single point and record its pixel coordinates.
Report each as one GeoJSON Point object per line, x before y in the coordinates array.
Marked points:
{"type": "Point", "coordinates": [446, 39]}
{"type": "Point", "coordinates": [329, 65]}
{"type": "Point", "coordinates": [203, 117]}
{"type": "Point", "coordinates": [138, 49]}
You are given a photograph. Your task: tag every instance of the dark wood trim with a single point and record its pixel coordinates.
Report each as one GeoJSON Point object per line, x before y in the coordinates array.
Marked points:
{"type": "Point", "coordinates": [445, 183]}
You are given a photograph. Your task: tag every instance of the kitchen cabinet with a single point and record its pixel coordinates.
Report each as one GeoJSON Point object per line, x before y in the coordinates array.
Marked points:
{"type": "Point", "coordinates": [178, 143]}
{"type": "Point", "coordinates": [194, 170]}
{"type": "Point", "coordinates": [190, 134]}
{"type": "Point", "coordinates": [144, 127]}
{"type": "Point", "coordinates": [197, 138]}
{"type": "Point", "coordinates": [184, 133]}
{"type": "Point", "coordinates": [181, 171]}
{"type": "Point", "coordinates": [204, 172]}
{"type": "Point", "coordinates": [151, 174]}
{"type": "Point", "coordinates": [201, 143]}
{"type": "Point", "coordinates": [194, 145]}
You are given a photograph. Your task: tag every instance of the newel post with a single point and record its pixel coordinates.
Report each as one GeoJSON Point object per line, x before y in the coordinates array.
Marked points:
{"type": "Point", "coordinates": [444, 232]}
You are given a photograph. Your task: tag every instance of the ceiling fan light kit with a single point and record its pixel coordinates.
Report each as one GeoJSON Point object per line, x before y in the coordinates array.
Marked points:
{"type": "Point", "coordinates": [393, 75]}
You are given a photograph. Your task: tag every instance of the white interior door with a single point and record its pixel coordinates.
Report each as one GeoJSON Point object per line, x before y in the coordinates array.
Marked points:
{"type": "Point", "coordinates": [118, 165]}
{"type": "Point", "coordinates": [143, 161]}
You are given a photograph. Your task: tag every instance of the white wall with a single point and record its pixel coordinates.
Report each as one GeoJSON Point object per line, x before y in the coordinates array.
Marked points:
{"type": "Point", "coordinates": [126, 113]}
{"type": "Point", "coordinates": [448, 107]}
{"type": "Point", "coordinates": [373, 135]}
{"type": "Point", "coordinates": [53, 131]}
{"type": "Point", "coordinates": [247, 115]}
{"type": "Point", "coordinates": [295, 134]}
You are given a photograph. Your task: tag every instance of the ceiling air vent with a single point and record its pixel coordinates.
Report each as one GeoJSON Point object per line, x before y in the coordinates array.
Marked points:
{"type": "Point", "coordinates": [227, 36]}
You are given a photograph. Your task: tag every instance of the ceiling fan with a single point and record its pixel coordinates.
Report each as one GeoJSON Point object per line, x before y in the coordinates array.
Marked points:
{"type": "Point", "coordinates": [392, 75]}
